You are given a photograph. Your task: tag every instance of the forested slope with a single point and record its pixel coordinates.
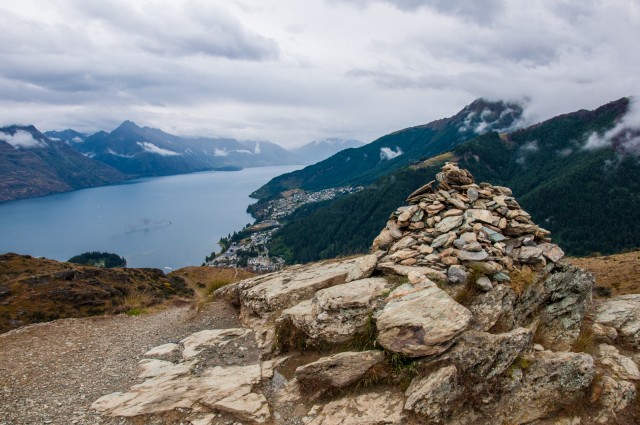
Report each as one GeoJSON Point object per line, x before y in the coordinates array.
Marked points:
{"type": "Point", "coordinates": [588, 198]}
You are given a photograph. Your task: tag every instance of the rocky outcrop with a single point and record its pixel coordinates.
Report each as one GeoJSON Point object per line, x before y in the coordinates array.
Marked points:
{"type": "Point", "coordinates": [434, 397]}
{"type": "Point", "coordinates": [459, 286]}
{"type": "Point", "coordinates": [561, 300]}
{"type": "Point", "coordinates": [542, 384]}
{"type": "Point", "coordinates": [484, 355]}
{"type": "Point", "coordinates": [262, 299]}
{"type": "Point", "coordinates": [168, 386]}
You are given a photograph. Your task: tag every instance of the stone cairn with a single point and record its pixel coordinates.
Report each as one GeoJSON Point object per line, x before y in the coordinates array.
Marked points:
{"type": "Point", "coordinates": [459, 226]}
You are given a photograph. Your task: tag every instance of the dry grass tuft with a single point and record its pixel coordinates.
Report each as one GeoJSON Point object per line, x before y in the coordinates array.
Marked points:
{"type": "Point", "coordinates": [136, 303]}
{"type": "Point", "coordinates": [470, 290]}
{"type": "Point", "coordinates": [522, 279]}
{"type": "Point", "coordinates": [289, 338]}
{"type": "Point", "coordinates": [586, 340]}
{"type": "Point", "coordinates": [205, 280]}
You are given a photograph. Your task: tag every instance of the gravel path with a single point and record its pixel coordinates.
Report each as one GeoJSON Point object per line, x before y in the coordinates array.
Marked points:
{"type": "Point", "coordinates": [50, 373]}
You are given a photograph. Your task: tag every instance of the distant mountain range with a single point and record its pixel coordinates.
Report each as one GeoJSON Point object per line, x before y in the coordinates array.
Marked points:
{"type": "Point", "coordinates": [37, 164]}
{"type": "Point", "coordinates": [576, 174]}
{"type": "Point", "coordinates": [366, 164]}
{"type": "Point", "coordinates": [318, 150]}
{"type": "Point", "coordinates": [32, 164]}
{"type": "Point", "coordinates": [144, 151]}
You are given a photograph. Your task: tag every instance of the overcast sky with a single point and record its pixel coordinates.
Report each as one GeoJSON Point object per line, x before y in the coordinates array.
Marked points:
{"type": "Point", "coordinates": [291, 71]}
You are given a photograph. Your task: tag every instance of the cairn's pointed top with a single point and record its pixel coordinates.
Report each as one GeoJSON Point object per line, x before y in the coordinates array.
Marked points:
{"type": "Point", "coordinates": [452, 175]}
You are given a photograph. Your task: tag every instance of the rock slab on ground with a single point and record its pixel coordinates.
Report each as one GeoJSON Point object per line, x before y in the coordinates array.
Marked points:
{"type": "Point", "coordinates": [421, 323]}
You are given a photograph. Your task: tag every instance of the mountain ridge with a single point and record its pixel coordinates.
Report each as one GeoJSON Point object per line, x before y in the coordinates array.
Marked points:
{"type": "Point", "coordinates": [145, 151]}
{"type": "Point", "coordinates": [364, 165]}
{"type": "Point", "coordinates": [32, 165]}
{"type": "Point", "coordinates": [318, 150]}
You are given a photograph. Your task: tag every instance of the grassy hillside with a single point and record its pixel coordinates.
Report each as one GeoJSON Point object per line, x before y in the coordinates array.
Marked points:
{"type": "Point", "coordinates": [589, 199]}
{"type": "Point", "coordinates": [618, 274]}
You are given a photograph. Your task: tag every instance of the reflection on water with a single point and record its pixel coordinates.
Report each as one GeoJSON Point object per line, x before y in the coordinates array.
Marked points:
{"type": "Point", "coordinates": [164, 222]}
{"type": "Point", "coordinates": [146, 224]}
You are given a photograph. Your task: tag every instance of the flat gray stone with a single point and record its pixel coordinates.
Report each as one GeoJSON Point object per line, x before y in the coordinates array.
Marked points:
{"type": "Point", "coordinates": [449, 223]}
{"type": "Point", "coordinates": [422, 323]}
{"type": "Point", "coordinates": [473, 256]}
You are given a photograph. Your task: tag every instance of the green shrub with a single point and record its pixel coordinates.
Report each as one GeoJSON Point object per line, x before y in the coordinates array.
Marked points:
{"type": "Point", "coordinates": [99, 259]}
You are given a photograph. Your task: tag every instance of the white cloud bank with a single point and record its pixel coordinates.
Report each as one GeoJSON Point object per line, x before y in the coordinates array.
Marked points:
{"type": "Point", "coordinates": [624, 136]}
{"type": "Point", "coordinates": [388, 153]}
{"type": "Point", "coordinates": [22, 139]}
{"type": "Point", "coordinates": [151, 148]}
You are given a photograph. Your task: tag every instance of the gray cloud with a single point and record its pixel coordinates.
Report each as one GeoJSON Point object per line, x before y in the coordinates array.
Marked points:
{"type": "Point", "coordinates": [292, 72]}
{"type": "Point", "coordinates": [478, 11]}
{"type": "Point", "coordinates": [190, 28]}
{"type": "Point", "coordinates": [625, 135]}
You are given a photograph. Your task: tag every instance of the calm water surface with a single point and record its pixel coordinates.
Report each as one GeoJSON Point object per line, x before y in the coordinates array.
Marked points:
{"type": "Point", "coordinates": [164, 222]}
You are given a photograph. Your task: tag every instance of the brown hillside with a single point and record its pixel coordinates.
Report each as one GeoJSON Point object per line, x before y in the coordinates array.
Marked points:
{"type": "Point", "coordinates": [205, 280]}
{"type": "Point", "coordinates": [38, 290]}
{"type": "Point", "coordinates": [620, 272]}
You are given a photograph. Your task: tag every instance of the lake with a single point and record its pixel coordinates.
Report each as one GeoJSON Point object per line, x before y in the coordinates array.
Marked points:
{"type": "Point", "coordinates": [164, 222]}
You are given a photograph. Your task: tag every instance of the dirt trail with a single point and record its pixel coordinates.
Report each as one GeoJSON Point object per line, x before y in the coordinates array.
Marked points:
{"type": "Point", "coordinates": [50, 373]}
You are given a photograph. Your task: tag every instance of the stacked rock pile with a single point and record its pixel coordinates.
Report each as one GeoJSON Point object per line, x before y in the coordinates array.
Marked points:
{"type": "Point", "coordinates": [459, 226]}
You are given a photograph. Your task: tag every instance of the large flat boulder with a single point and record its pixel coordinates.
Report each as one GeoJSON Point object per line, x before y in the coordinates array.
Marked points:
{"type": "Point", "coordinates": [339, 370]}
{"type": "Point", "coordinates": [621, 313]}
{"type": "Point", "coordinates": [195, 343]}
{"type": "Point", "coordinates": [370, 408]}
{"type": "Point", "coordinates": [339, 313]}
{"type": "Point", "coordinates": [191, 384]}
{"type": "Point", "coordinates": [421, 323]}
{"type": "Point", "coordinates": [227, 389]}
{"type": "Point", "coordinates": [289, 287]}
